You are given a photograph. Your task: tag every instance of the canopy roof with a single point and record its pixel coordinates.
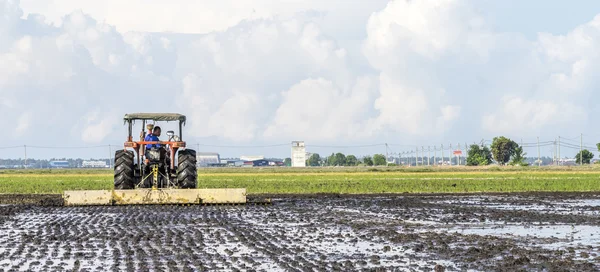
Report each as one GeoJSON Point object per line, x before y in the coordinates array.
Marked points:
{"type": "Point", "coordinates": [155, 116]}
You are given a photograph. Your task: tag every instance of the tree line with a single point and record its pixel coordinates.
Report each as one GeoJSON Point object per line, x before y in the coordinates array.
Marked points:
{"type": "Point", "coordinates": [339, 159]}
{"type": "Point", "coordinates": [44, 163]}
{"type": "Point", "coordinates": [505, 151]}
{"type": "Point", "coordinates": [502, 151]}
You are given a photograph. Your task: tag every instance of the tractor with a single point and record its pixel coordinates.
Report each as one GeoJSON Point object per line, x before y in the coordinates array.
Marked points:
{"type": "Point", "coordinates": [146, 172]}
{"type": "Point", "coordinates": [143, 164]}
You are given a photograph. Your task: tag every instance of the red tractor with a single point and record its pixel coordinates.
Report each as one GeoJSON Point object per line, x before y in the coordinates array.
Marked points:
{"type": "Point", "coordinates": [155, 167]}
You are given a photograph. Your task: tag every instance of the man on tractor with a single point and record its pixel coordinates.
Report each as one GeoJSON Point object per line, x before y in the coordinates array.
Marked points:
{"type": "Point", "coordinates": [153, 137]}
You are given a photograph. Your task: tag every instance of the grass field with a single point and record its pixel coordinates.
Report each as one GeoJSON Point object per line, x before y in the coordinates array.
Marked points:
{"type": "Point", "coordinates": [334, 180]}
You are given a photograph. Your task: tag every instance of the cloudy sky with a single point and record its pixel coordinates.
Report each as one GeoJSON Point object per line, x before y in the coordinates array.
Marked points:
{"type": "Point", "coordinates": [331, 73]}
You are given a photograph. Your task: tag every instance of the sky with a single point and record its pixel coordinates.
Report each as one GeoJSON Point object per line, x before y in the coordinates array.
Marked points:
{"type": "Point", "coordinates": [341, 75]}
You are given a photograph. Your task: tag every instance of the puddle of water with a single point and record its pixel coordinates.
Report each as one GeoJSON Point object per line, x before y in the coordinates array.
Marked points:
{"type": "Point", "coordinates": [567, 235]}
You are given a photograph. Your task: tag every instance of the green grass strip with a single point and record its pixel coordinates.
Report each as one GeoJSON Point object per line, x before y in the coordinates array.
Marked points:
{"type": "Point", "coordinates": [331, 182]}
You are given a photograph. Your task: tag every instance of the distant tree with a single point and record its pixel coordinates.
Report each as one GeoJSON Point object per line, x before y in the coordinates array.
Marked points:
{"type": "Point", "coordinates": [340, 159]}
{"type": "Point", "coordinates": [478, 155]}
{"type": "Point", "coordinates": [367, 160]}
{"type": "Point", "coordinates": [351, 160]}
{"type": "Point", "coordinates": [587, 156]}
{"type": "Point", "coordinates": [379, 159]}
{"type": "Point", "coordinates": [518, 157]}
{"type": "Point", "coordinates": [331, 160]}
{"type": "Point", "coordinates": [314, 160]}
{"type": "Point", "coordinates": [337, 159]}
{"type": "Point", "coordinates": [598, 145]}
{"type": "Point", "coordinates": [503, 149]}
{"type": "Point", "coordinates": [287, 162]}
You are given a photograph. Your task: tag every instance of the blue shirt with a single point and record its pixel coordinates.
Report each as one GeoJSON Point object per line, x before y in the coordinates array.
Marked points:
{"type": "Point", "coordinates": [151, 138]}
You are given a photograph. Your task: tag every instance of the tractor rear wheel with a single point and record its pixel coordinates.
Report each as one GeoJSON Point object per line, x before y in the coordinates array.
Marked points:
{"type": "Point", "coordinates": [124, 167]}
{"type": "Point", "coordinates": [187, 173]}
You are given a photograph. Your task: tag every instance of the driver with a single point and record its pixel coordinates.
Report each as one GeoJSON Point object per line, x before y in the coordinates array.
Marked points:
{"type": "Point", "coordinates": [153, 137]}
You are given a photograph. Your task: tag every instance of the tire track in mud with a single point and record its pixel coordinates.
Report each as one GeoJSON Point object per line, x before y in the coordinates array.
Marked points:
{"type": "Point", "coordinates": [300, 234]}
{"type": "Point", "coordinates": [473, 251]}
{"type": "Point", "coordinates": [271, 242]}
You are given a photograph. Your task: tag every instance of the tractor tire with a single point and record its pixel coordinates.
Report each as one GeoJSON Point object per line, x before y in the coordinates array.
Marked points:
{"type": "Point", "coordinates": [187, 173]}
{"type": "Point", "coordinates": [124, 170]}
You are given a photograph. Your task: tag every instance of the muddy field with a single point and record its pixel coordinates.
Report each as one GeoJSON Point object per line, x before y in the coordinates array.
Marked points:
{"type": "Point", "coordinates": [530, 232]}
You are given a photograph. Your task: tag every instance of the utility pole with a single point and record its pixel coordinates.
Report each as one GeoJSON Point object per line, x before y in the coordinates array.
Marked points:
{"type": "Point", "coordinates": [434, 155]}
{"type": "Point", "coordinates": [25, 148]}
{"type": "Point", "coordinates": [417, 157]}
{"type": "Point", "coordinates": [450, 156]}
{"type": "Point", "coordinates": [386, 154]}
{"type": "Point", "coordinates": [422, 155]}
{"type": "Point", "coordinates": [442, 154]}
{"type": "Point", "coordinates": [554, 152]}
{"type": "Point", "coordinates": [458, 157]}
{"type": "Point", "coordinates": [428, 154]}
{"type": "Point", "coordinates": [581, 149]}
{"type": "Point", "coordinates": [539, 158]}
{"type": "Point", "coordinates": [466, 153]}
{"type": "Point", "coordinates": [558, 150]}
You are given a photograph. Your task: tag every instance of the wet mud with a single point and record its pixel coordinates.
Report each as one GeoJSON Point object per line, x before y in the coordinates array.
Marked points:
{"type": "Point", "coordinates": [491, 232]}
{"type": "Point", "coordinates": [32, 199]}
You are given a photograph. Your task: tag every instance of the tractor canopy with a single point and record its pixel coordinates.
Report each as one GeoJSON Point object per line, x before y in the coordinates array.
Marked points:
{"type": "Point", "coordinates": [155, 117]}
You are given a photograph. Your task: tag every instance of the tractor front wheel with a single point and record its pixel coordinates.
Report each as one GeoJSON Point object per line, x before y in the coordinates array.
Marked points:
{"type": "Point", "coordinates": [187, 174]}
{"type": "Point", "coordinates": [124, 167]}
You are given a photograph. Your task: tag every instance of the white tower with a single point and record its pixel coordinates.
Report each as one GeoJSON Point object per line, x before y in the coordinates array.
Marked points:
{"type": "Point", "coordinates": [298, 154]}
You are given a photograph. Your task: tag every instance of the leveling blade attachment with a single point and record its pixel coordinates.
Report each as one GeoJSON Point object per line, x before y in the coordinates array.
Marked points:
{"type": "Point", "coordinates": [89, 197]}
{"type": "Point", "coordinates": [155, 196]}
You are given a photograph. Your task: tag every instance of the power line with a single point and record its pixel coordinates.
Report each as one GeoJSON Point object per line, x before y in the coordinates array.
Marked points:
{"type": "Point", "coordinates": [568, 145]}
{"type": "Point", "coordinates": [403, 145]}
{"type": "Point", "coordinates": [572, 138]}
{"type": "Point", "coordinates": [243, 146]}
{"type": "Point", "coordinates": [68, 147]}
{"type": "Point", "coordinates": [339, 146]}
{"type": "Point", "coordinates": [565, 142]}
{"type": "Point", "coordinates": [11, 147]}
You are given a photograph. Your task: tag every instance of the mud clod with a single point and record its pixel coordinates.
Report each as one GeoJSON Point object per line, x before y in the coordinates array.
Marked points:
{"type": "Point", "coordinates": [439, 268]}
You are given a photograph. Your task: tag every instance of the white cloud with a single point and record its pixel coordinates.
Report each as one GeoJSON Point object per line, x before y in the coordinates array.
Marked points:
{"type": "Point", "coordinates": [406, 42]}
{"type": "Point", "coordinates": [96, 127]}
{"type": "Point", "coordinates": [316, 109]}
{"type": "Point", "coordinates": [190, 16]}
{"type": "Point", "coordinates": [560, 99]}
{"type": "Point", "coordinates": [518, 115]}
{"type": "Point", "coordinates": [441, 64]}
{"type": "Point", "coordinates": [53, 78]}
{"type": "Point", "coordinates": [23, 124]}
{"type": "Point", "coordinates": [424, 70]}
{"type": "Point", "coordinates": [234, 79]}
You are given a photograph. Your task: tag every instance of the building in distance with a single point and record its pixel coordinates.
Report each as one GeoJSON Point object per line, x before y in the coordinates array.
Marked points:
{"type": "Point", "coordinates": [298, 154]}
{"type": "Point", "coordinates": [206, 159]}
{"type": "Point", "coordinates": [94, 164]}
